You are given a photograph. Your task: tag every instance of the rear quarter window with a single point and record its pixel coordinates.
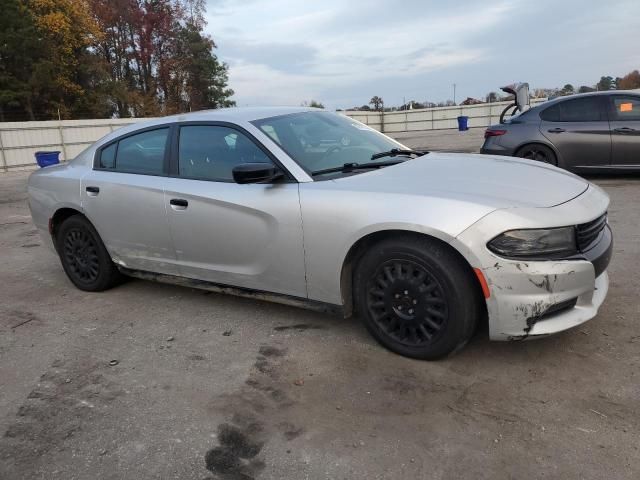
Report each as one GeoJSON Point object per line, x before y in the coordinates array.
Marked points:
{"type": "Point", "coordinates": [108, 156]}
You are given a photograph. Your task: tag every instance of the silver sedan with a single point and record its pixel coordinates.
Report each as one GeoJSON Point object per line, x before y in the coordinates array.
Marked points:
{"type": "Point", "coordinates": [311, 208]}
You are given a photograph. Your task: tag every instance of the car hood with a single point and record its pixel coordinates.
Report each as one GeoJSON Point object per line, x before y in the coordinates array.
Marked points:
{"type": "Point", "coordinates": [494, 181]}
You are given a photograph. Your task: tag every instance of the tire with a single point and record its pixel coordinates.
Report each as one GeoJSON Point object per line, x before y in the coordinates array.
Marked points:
{"type": "Point", "coordinates": [417, 297]}
{"type": "Point", "coordinates": [84, 257]}
{"type": "Point", "coordinates": [537, 152]}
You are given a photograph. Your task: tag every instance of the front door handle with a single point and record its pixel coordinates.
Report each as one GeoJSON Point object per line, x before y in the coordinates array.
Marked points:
{"type": "Point", "coordinates": [624, 130]}
{"type": "Point", "coordinates": [178, 203]}
{"type": "Point", "coordinates": [556, 130]}
{"type": "Point", "coordinates": [92, 191]}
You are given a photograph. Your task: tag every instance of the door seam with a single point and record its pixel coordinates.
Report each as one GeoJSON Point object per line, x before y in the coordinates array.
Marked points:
{"type": "Point", "coordinates": [304, 247]}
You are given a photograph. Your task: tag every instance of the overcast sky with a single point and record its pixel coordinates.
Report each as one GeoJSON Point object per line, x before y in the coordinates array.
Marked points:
{"type": "Point", "coordinates": [342, 52]}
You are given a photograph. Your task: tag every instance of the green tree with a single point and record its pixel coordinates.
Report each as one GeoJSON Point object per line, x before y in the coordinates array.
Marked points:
{"type": "Point", "coordinates": [312, 104]}
{"type": "Point", "coordinates": [585, 89]}
{"type": "Point", "coordinates": [377, 102]}
{"type": "Point", "coordinates": [568, 89]}
{"type": "Point", "coordinates": [205, 77]}
{"type": "Point", "coordinates": [20, 48]}
{"type": "Point", "coordinates": [605, 83]}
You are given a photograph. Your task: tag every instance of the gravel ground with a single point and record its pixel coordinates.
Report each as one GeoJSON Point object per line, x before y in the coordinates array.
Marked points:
{"type": "Point", "coordinates": [152, 381]}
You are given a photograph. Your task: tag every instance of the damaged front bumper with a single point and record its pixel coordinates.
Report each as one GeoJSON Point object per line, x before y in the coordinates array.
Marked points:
{"type": "Point", "coordinates": [534, 298]}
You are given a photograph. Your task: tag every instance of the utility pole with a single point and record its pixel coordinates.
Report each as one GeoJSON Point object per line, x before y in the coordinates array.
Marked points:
{"type": "Point", "coordinates": [454, 93]}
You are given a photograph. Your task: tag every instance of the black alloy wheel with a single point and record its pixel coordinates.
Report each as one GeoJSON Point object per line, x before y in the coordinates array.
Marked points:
{"type": "Point", "coordinates": [84, 257]}
{"type": "Point", "coordinates": [407, 303]}
{"type": "Point", "coordinates": [81, 255]}
{"type": "Point", "coordinates": [417, 296]}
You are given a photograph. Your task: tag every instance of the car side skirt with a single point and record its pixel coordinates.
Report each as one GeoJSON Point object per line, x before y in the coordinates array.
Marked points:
{"type": "Point", "coordinates": [237, 291]}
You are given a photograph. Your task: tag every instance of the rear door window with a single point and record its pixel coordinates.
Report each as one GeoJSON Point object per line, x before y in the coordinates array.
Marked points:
{"type": "Point", "coordinates": [141, 153]}
{"type": "Point", "coordinates": [586, 109]}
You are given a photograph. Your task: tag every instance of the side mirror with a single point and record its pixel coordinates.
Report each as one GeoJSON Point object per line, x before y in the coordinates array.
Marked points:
{"type": "Point", "coordinates": [256, 173]}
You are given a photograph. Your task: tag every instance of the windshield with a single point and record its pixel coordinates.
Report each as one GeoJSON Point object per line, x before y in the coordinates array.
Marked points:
{"type": "Point", "coordinates": [324, 140]}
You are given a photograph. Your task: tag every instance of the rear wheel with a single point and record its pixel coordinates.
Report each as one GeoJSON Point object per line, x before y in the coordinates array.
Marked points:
{"type": "Point", "coordinates": [540, 153]}
{"type": "Point", "coordinates": [84, 257]}
{"type": "Point", "coordinates": [416, 297]}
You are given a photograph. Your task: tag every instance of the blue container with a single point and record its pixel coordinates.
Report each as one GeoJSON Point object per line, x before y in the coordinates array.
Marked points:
{"type": "Point", "coordinates": [463, 123]}
{"type": "Point", "coordinates": [46, 159]}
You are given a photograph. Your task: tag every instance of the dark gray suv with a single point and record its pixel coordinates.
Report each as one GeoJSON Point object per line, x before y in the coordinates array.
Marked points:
{"type": "Point", "coordinates": [596, 131]}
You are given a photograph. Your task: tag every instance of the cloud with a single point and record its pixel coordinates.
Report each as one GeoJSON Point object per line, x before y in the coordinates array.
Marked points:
{"type": "Point", "coordinates": [287, 51]}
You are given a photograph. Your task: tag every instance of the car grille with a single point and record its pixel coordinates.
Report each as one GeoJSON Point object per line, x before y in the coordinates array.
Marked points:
{"type": "Point", "coordinates": [587, 233]}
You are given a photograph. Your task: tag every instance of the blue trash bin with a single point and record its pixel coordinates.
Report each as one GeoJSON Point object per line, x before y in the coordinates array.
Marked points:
{"type": "Point", "coordinates": [46, 159]}
{"type": "Point", "coordinates": [463, 123]}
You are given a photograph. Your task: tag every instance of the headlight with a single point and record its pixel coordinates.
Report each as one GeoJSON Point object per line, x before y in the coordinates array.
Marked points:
{"type": "Point", "coordinates": [544, 242]}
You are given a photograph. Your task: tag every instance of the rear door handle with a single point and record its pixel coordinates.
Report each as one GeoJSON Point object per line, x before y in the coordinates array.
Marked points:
{"type": "Point", "coordinates": [624, 130]}
{"type": "Point", "coordinates": [556, 130]}
{"type": "Point", "coordinates": [178, 203]}
{"type": "Point", "coordinates": [92, 191]}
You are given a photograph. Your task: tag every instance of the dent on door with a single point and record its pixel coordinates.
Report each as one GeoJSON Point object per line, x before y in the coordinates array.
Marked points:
{"type": "Point", "coordinates": [128, 212]}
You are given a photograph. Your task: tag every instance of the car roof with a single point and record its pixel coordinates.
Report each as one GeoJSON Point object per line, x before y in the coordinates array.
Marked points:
{"type": "Point", "coordinates": [635, 92]}
{"type": "Point", "coordinates": [233, 115]}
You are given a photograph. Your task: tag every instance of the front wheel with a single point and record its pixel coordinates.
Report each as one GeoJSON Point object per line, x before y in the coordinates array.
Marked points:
{"type": "Point", "coordinates": [416, 297]}
{"type": "Point", "coordinates": [84, 257]}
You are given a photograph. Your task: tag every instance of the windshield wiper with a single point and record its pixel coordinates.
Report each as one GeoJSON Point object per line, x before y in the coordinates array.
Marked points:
{"type": "Point", "coordinates": [397, 151]}
{"type": "Point", "coordinates": [349, 167]}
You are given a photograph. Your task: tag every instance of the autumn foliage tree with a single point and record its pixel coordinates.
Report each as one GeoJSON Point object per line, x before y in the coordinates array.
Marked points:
{"type": "Point", "coordinates": [630, 81]}
{"type": "Point", "coordinates": [102, 58]}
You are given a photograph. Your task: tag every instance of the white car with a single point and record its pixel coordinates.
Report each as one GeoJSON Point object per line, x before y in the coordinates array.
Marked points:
{"type": "Point", "coordinates": [254, 202]}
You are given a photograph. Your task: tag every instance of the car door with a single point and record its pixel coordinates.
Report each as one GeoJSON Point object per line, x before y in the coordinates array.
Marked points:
{"type": "Point", "coordinates": [123, 196]}
{"type": "Point", "coordinates": [625, 130]}
{"type": "Point", "coordinates": [579, 129]}
{"type": "Point", "coordinates": [248, 235]}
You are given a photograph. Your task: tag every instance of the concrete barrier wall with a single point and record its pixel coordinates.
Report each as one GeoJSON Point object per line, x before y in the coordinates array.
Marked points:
{"type": "Point", "coordinates": [437, 118]}
{"type": "Point", "coordinates": [20, 140]}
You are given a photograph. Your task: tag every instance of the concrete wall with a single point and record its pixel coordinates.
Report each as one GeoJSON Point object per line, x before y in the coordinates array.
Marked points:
{"type": "Point", "coordinates": [438, 118]}
{"type": "Point", "coordinates": [20, 140]}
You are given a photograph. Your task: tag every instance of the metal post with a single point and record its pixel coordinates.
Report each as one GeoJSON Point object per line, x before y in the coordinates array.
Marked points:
{"type": "Point", "coordinates": [4, 165]}
{"type": "Point", "coordinates": [64, 148]}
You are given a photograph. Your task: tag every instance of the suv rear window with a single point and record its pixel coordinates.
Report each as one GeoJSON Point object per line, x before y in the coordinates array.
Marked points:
{"type": "Point", "coordinates": [587, 109]}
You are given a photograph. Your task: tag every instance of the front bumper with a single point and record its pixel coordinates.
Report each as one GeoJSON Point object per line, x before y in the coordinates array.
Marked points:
{"type": "Point", "coordinates": [534, 298]}
{"type": "Point", "coordinates": [524, 295]}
